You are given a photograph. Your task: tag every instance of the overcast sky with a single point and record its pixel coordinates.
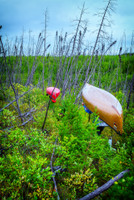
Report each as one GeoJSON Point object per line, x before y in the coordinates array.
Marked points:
{"type": "Point", "coordinates": [24, 15]}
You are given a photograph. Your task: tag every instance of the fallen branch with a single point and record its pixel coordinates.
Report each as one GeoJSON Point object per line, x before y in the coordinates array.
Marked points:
{"type": "Point", "coordinates": [26, 114]}
{"type": "Point", "coordinates": [105, 186]}
{"type": "Point", "coordinates": [24, 123]}
{"type": "Point", "coordinates": [15, 99]}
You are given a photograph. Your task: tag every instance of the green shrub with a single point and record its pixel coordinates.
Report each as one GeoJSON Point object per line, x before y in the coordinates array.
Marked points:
{"type": "Point", "coordinates": [85, 159]}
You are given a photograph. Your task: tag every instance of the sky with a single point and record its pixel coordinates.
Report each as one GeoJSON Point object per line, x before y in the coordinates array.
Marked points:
{"type": "Point", "coordinates": [17, 16]}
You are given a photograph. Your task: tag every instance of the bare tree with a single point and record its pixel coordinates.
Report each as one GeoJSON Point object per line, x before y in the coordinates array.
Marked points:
{"type": "Point", "coordinates": [130, 92]}
{"type": "Point", "coordinates": [34, 67]}
{"type": "Point", "coordinates": [45, 43]}
{"type": "Point", "coordinates": [107, 10]}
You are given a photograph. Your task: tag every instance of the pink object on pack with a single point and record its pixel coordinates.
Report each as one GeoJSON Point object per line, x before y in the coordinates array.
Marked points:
{"type": "Point", "coordinates": [53, 93]}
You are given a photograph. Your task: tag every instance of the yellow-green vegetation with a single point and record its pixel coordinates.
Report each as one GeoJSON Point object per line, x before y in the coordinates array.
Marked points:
{"type": "Point", "coordinates": [110, 70]}
{"type": "Point", "coordinates": [82, 160]}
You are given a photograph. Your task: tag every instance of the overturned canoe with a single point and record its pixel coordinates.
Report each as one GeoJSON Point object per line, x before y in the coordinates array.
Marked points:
{"type": "Point", "coordinates": [106, 105]}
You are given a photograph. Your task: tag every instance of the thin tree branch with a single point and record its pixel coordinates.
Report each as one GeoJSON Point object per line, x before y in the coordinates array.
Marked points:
{"type": "Point", "coordinates": [51, 165]}
{"type": "Point", "coordinates": [28, 113]}
{"type": "Point", "coordinates": [24, 123]}
{"type": "Point", "coordinates": [16, 99]}
{"type": "Point", "coordinates": [46, 114]}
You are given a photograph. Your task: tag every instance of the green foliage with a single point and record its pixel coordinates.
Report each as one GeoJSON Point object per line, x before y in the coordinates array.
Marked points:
{"type": "Point", "coordinates": [109, 72]}
{"type": "Point", "coordinates": [127, 64]}
{"type": "Point", "coordinates": [129, 121]}
{"type": "Point", "coordinates": [25, 170]}
{"type": "Point", "coordinates": [122, 99]}
{"type": "Point", "coordinates": [123, 189]}
{"type": "Point", "coordinates": [80, 183]}
{"type": "Point", "coordinates": [7, 118]}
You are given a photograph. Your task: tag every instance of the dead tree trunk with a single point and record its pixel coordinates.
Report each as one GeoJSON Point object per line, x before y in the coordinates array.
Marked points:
{"type": "Point", "coordinates": [131, 90]}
